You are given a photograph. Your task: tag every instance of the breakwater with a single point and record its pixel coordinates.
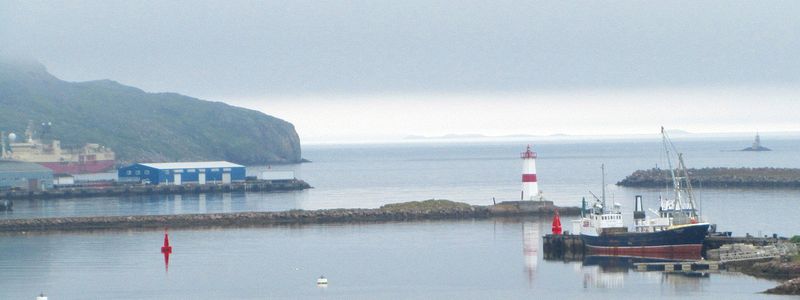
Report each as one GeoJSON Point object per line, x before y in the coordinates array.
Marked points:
{"type": "Point", "coordinates": [411, 212]}
{"type": "Point", "coordinates": [146, 189]}
{"type": "Point", "coordinates": [789, 287]}
{"type": "Point", "coordinates": [719, 177]}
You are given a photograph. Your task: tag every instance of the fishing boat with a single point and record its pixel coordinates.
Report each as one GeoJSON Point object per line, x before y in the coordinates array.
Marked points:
{"type": "Point", "coordinates": [675, 231]}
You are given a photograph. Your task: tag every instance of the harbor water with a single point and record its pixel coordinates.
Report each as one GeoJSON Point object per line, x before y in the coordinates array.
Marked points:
{"type": "Point", "coordinates": [445, 259]}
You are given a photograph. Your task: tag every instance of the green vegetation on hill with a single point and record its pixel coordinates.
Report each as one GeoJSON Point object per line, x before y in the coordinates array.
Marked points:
{"type": "Point", "coordinates": [140, 126]}
{"type": "Point", "coordinates": [425, 205]}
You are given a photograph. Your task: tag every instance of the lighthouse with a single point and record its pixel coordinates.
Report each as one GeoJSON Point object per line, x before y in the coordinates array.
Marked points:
{"type": "Point", "coordinates": [530, 186]}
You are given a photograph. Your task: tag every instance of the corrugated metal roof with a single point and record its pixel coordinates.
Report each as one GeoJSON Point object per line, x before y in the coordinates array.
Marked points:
{"type": "Point", "coordinates": [192, 165]}
{"type": "Point", "coordinates": [10, 166]}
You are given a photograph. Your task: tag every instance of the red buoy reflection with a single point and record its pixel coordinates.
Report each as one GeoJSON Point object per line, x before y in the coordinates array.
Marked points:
{"type": "Point", "coordinates": [166, 250]}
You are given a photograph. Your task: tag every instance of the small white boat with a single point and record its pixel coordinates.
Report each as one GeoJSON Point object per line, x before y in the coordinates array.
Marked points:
{"type": "Point", "coordinates": [322, 280]}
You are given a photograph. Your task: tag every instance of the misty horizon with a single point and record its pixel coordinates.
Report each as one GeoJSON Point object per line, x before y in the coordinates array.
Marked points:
{"type": "Point", "coordinates": [375, 70]}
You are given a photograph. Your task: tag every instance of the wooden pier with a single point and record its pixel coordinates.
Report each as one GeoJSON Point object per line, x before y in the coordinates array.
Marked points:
{"type": "Point", "coordinates": [683, 266]}
{"type": "Point", "coordinates": [558, 246]}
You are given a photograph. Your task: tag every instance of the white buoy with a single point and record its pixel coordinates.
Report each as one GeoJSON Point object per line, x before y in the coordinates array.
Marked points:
{"type": "Point", "coordinates": [322, 280]}
{"type": "Point", "coordinates": [41, 297]}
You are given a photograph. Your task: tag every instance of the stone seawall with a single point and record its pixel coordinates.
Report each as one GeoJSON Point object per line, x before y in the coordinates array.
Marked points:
{"type": "Point", "coordinates": [243, 219]}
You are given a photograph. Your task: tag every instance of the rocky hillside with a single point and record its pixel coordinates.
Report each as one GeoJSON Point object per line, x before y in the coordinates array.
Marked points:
{"type": "Point", "coordinates": [140, 126]}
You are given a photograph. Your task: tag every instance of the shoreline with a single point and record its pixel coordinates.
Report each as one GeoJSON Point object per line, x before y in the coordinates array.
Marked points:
{"type": "Point", "coordinates": [786, 271]}
{"type": "Point", "coordinates": [413, 212]}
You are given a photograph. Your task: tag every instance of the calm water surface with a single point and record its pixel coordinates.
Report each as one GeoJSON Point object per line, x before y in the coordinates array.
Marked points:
{"type": "Point", "coordinates": [488, 259]}
{"type": "Point", "coordinates": [459, 259]}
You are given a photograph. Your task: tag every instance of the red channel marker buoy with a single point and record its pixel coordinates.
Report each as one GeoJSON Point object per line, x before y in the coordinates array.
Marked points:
{"type": "Point", "coordinates": [556, 223]}
{"type": "Point", "coordinates": [166, 249]}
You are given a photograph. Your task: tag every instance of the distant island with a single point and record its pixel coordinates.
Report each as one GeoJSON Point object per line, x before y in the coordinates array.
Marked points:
{"type": "Point", "coordinates": [476, 136]}
{"type": "Point", "coordinates": [446, 136]}
{"type": "Point", "coordinates": [718, 177]}
{"type": "Point", "coordinates": [757, 145]}
{"type": "Point", "coordinates": [140, 126]}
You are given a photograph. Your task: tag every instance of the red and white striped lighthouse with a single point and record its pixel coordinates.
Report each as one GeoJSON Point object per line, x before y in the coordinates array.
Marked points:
{"type": "Point", "coordinates": [530, 186]}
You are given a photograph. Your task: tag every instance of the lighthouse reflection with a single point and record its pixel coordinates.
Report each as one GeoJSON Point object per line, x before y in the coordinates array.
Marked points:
{"type": "Point", "coordinates": [530, 247]}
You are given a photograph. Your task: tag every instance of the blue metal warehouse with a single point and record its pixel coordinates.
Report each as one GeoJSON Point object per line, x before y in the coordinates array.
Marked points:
{"type": "Point", "coordinates": [183, 172]}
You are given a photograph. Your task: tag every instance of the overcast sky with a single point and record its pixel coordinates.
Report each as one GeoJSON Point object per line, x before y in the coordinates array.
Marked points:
{"type": "Point", "coordinates": [386, 69]}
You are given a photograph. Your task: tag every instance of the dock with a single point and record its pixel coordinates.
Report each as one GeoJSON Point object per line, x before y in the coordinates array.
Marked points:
{"type": "Point", "coordinates": [683, 266]}
{"type": "Point", "coordinates": [563, 246]}
{"type": "Point", "coordinates": [121, 189]}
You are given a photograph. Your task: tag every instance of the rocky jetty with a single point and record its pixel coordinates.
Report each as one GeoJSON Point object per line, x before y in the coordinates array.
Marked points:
{"type": "Point", "coordinates": [719, 177]}
{"type": "Point", "coordinates": [775, 269]}
{"type": "Point", "coordinates": [425, 210]}
{"type": "Point", "coordinates": [785, 268]}
{"type": "Point", "coordinates": [509, 208]}
{"type": "Point", "coordinates": [790, 287]}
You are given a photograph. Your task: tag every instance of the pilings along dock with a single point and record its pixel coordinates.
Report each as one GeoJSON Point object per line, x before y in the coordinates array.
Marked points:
{"type": "Point", "coordinates": [124, 189]}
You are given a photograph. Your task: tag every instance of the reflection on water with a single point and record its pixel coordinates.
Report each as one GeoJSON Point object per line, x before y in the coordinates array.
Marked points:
{"type": "Point", "coordinates": [594, 276]}
{"type": "Point", "coordinates": [475, 259]}
{"type": "Point", "coordinates": [155, 204]}
{"type": "Point", "coordinates": [685, 281]}
{"type": "Point", "coordinates": [610, 272]}
{"type": "Point", "coordinates": [530, 247]}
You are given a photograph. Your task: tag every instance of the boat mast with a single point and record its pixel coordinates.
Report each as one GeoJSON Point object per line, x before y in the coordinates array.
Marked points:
{"type": "Point", "coordinates": [689, 192]}
{"type": "Point", "coordinates": [3, 142]}
{"type": "Point", "coordinates": [603, 169]}
{"type": "Point", "coordinates": [675, 182]}
{"type": "Point", "coordinates": [29, 132]}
